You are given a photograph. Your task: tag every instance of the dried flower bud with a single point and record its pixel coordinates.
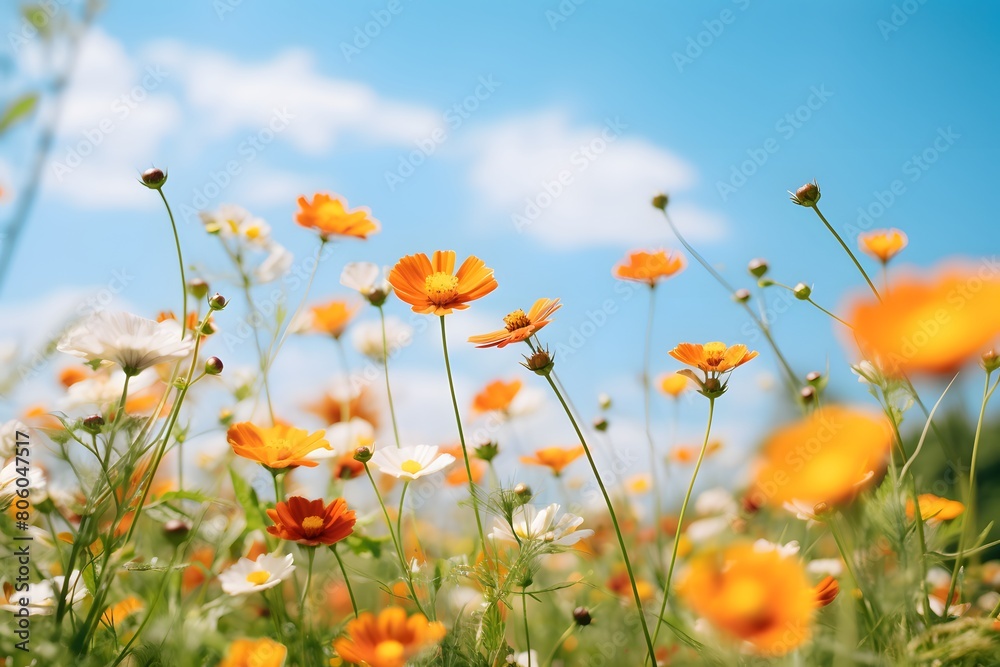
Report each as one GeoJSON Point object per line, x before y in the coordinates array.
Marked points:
{"type": "Point", "coordinates": [741, 295]}
{"type": "Point", "coordinates": [154, 178]}
{"type": "Point", "coordinates": [198, 288]}
{"type": "Point", "coordinates": [802, 291]}
{"type": "Point", "coordinates": [213, 366]}
{"type": "Point", "coordinates": [660, 201]}
{"type": "Point", "coordinates": [808, 394]}
{"type": "Point", "coordinates": [363, 454]}
{"type": "Point", "coordinates": [217, 302]}
{"type": "Point", "coordinates": [758, 267]}
{"type": "Point", "coordinates": [582, 616]}
{"type": "Point", "coordinates": [807, 195]}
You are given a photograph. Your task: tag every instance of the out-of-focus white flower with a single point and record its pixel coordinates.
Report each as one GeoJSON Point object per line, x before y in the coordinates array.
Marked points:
{"type": "Point", "coordinates": [235, 222]}
{"type": "Point", "coordinates": [526, 401]}
{"type": "Point", "coordinates": [784, 550]}
{"type": "Point", "coordinates": [279, 259]}
{"type": "Point", "coordinates": [104, 389]}
{"type": "Point", "coordinates": [702, 530]}
{"type": "Point", "coordinates": [8, 351]}
{"type": "Point", "coordinates": [529, 524]}
{"type": "Point", "coordinates": [524, 659]}
{"type": "Point", "coordinates": [346, 437]}
{"type": "Point", "coordinates": [833, 567]}
{"type": "Point", "coordinates": [132, 342]}
{"type": "Point", "coordinates": [802, 510]}
{"type": "Point", "coordinates": [43, 596]}
{"type": "Point", "coordinates": [410, 462]}
{"type": "Point", "coordinates": [367, 338]}
{"type": "Point", "coordinates": [868, 373]}
{"type": "Point", "coordinates": [365, 277]}
{"type": "Point", "coordinates": [9, 486]}
{"type": "Point", "coordinates": [9, 437]}
{"type": "Point", "coordinates": [604, 401]}
{"type": "Point", "coordinates": [464, 598]}
{"type": "Point", "coordinates": [249, 576]}
{"type": "Point", "coordinates": [715, 501]}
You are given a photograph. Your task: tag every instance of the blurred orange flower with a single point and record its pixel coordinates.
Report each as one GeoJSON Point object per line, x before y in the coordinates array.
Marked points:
{"type": "Point", "coordinates": [496, 396]}
{"type": "Point", "coordinates": [456, 475]}
{"type": "Point", "coordinates": [262, 652]}
{"type": "Point", "coordinates": [825, 457]}
{"type": "Point", "coordinates": [753, 595]}
{"type": "Point", "coordinates": [519, 326]}
{"type": "Point", "coordinates": [649, 266]}
{"type": "Point", "coordinates": [713, 358]}
{"type": "Point", "coordinates": [687, 454]}
{"type": "Point", "coordinates": [70, 375]}
{"type": "Point", "coordinates": [554, 458]}
{"type": "Point", "coordinates": [116, 614]}
{"type": "Point", "coordinates": [361, 403]}
{"type": "Point", "coordinates": [332, 317]}
{"type": "Point", "coordinates": [329, 216]}
{"type": "Point", "coordinates": [931, 325]}
{"type": "Point", "coordinates": [882, 244]}
{"type": "Point", "coordinates": [826, 591]}
{"type": "Point", "coordinates": [310, 523]}
{"type": "Point", "coordinates": [279, 446]}
{"type": "Point", "coordinates": [390, 639]}
{"type": "Point", "coordinates": [934, 508]}
{"type": "Point", "coordinates": [435, 288]}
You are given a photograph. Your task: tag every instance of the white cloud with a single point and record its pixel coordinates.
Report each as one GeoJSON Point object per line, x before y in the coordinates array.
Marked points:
{"type": "Point", "coordinates": [608, 178]}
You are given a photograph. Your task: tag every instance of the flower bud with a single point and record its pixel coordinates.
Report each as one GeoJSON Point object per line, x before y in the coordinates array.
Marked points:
{"type": "Point", "coordinates": [808, 394]}
{"type": "Point", "coordinates": [802, 291]}
{"type": "Point", "coordinates": [991, 361]}
{"type": "Point", "coordinates": [487, 451]}
{"type": "Point", "coordinates": [540, 363]}
{"type": "Point", "coordinates": [198, 288]}
{"type": "Point", "coordinates": [217, 302]}
{"type": "Point", "coordinates": [154, 178]}
{"type": "Point", "coordinates": [582, 616]}
{"type": "Point", "coordinates": [814, 377]}
{"type": "Point", "coordinates": [522, 491]}
{"type": "Point", "coordinates": [377, 297]}
{"type": "Point", "coordinates": [93, 422]}
{"type": "Point", "coordinates": [600, 424]}
{"type": "Point", "coordinates": [807, 195]}
{"type": "Point", "coordinates": [660, 201]}
{"type": "Point", "coordinates": [176, 530]}
{"type": "Point", "coordinates": [363, 454]}
{"type": "Point", "coordinates": [213, 366]}
{"type": "Point", "coordinates": [758, 267]}
{"type": "Point", "coordinates": [225, 416]}
{"type": "Point", "coordinates": [764, 282]}
{"type": "Point", "coordinates": [604, 401]}
{"type": "Point", "coordinates": [741, 295]}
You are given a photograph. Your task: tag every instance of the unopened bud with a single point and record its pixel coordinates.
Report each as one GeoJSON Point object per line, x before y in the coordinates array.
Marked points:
{"type": "Point", "coordinates": [764, 282]}
{"type": "Point", "coordinates": [582, 616]}
{"type": "Point", "coordinates": [540, 362]}
{"type": "Point", "coordinates": [217, 302]}
{"type": "Point", "coordinates": [991, 361]}
{"type": "Point", "coordinates": [93, 422]}
{"type": "Point", "coordinates": [176, 530]}
{"type": "Point", "coordinates": [757, 267]}
{"type": "Point", "coordinates": [807, 195]}
{"type": "Point", "coordinates": [363, 454]}
{"type": "Point", "coordinates": [154, 178]}
{"type": "Point", "coordinates": [808, 394]}
{"type": "Point", "coordinates": [487, 451]}
{"type": "Point", "coordinates": [522, 490]}
{"type": "Point", "coordinates": [814, 377]}
{"type": "Point", "coordinates": [802, 291]}
{"type": "Point", "coordinates": [198, 288]}
{"type": "Point", "coordinates": [660, 201]}
{"type": "Point", "coordinates": [604, 401]}
{"type": "Point", "coordinates": [741, 295]}
{"type": "Point", "coordinates": [377, 297]}
{"type": "Point", "coordinates": [213, 366]}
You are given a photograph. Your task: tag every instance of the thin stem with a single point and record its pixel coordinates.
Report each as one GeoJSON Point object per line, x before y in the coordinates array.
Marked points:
{"type": "Point", "coordinates": [848, 250]}
{"type": "Point", "coordinates": [385, 366]}
{"type": "Point", "coordinates": [461, 437]}
{"type": "Point", "coordinates": [653, 462]}
{"type": "Point", "coordinates": [680, 519]}
{"type": "Point", "coordinates": [524, 613]}
{"type": "Point", "coordinates": [345, 369]}
{"type": "Point", "coordinates": [180, 261]}
{"type": "Point", "coordinates": [303, 610]}
{"type": "Point", "coordinates": [611, 513]}
{"type": "Point", "coordinates": [562, 639]}
{"type": "Point", "coordinates": [262, 362]}
{"type": "Point", "coordinates": [305, 296]}
{"type": "Point", "coordinates": [399, 514]}
{"type": "Point", "coordinates": [347, 580]}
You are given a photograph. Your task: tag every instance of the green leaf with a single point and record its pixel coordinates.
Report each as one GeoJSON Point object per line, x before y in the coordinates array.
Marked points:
{"type": "Point", "coordinates": [186, 495]}
{"type": "Point", "coordinates": [362, 544]}
{"type": "Point", "coordinates": [248, 500]}
{"type": "Point", "coordinates": [18, 110]}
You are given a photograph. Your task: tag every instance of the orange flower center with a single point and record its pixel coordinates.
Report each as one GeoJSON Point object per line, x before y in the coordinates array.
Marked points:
{"type": "Point", "coordinates": [714, 353]}
{"type": "Point", "coordinates": [411, 466]}
{"type": "Point", "coordinates": [441, 287]}
{"type": "Point", "coordinates": [389, 651]}
{"type": "Point", "coordinates": [312, 525]}
{"type": "Point", "coordinates": [258, 577]}
{"type": "Point", "coordinates": [516, 320]}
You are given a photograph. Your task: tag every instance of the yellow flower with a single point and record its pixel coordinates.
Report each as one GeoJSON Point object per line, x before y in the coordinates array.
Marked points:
{"type": "Point", "coordinates": [882, 244]}
{"type": "Point", "coordinates": [649, 267]}
{"type": "Point", "coordinates": [330, 217]}
{"type": "Point", "coordinates": [262, 652]}
{"type": "Point", "coordinates": [433, 287]}
{"type": "Point", "coordinates": [754, 595]}
{"type": "Point", "coordinates": [390, 639]}
{"type": "Point", "coordinates": [826, 457]}
{"type": "Point", "coordinates": [554, 458]}
{"type": "Point", "coordinates": [674, 384]}
{"type": "Point", "coordinates": [933, 508]}
{"type": "Point", "coordinates": [332, 317]}
{"type": "Point", "coordinates": [279, 446]}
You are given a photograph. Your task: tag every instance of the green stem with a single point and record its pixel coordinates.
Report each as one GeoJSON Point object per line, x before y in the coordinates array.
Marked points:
{"type": "Point", "coordinates": [303, 608]}
{"type": "Point", "coordinates": [385, 366]}
{"type": "Point", "coordinates": [180, 261]}
{"type": "Point", "coordinates": [653, 462]}
{"type": "Point", "coordinates": [347, 580]}
{"type": "Point", "coordinates": [524, 613]}
{"type": "Point", "coordinates": [261, 357]}
{"type": "Point", "coordinates": [345, 370]}
{"type": "Point", "coordinates": [611, 513]}
{"type": "Point", "coordinates": [680, 520]}
{"type": "Point", "coordinates": [848, 250]}
{"type": "Point", "coordinates": [562, 639]}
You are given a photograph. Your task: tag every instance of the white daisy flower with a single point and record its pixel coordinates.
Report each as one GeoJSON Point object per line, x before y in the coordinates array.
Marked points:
{"type": "Point", "coordinates": [132, 342]}
{"type": "Point", "coordinates": [235, 222]}
{"type": "Point", "coordinates": [524, 659]}
{"type": "Point", "coordinates": [531, 524]}
{"type": "Point", "coordinates": [247, 576]}
{"type": "Point", "coordinates": [9, 486]}
{"type": "Point", "coordinates": [784, 550]}
{"type": "Point", "coordinates": [367, 338]}
{"type": "Point", "coordinates": [43, 596]}
{"type": "Point", "coordinates": [703, 530]}
{"type": "Point", "coordinates": [277, 263]}
{"type": "Point", "coordinates": [9, 437]}
{"type": "Point", "coordinates": [716, 501]}
{"type": "Point", "coordinates": [410, 462]}
{"type": "Point", "coordinates": [366, 278]}
{"type": "Point", "coordinates": [104, 389]}
{"type": "Point", "coordinates": [346, 437]}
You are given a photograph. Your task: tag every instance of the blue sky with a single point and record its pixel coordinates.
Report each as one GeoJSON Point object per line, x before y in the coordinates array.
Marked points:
{"type": "Point", "coordinates": [674, 96]}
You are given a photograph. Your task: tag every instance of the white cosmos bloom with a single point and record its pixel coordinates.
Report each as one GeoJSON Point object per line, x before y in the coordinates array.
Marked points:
{"type": "Point", "coordinates": [43, 596]}
{"type": "Point", "coordinates": [703, 530]}
{"type": "Point", "coordinates": [717, 501]}
{"type": "Point", "coordinates": [784, 550]}
{"type": "Point", "coordinates": [105, 389]}
{"type": "Point", "coordinates": [235, 222]}
{"type": "Point", "coordinates": [524, 659]}
{"type": "Point", "coordinates": [346, 437]}
{"type": "Point", "coordinates": [826, 566]}
{"type": "Point", "coordinates": [277, 263]}
{"type": "Point", "coordinates": [365, 277]}
{"type": "Point", "coordinates": [410, 462]}
{"type": "Point", "coordinates": [9, 485]}
{"type": "Point", "coordinates": [367, 338]}
{"type": "Point", "coordinates": [9, 438]}
{"type": "Point", "coordinates": [546, 525]}
{"type": "Point", "coordinates": [526, 401]}
{"type": "Point", "coordinates": [132, 342]}
{"type": "Point", "coordinates": [247, 576]}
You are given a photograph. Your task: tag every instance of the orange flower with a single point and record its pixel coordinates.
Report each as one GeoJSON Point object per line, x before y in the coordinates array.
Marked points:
{"type": "Point", "coordinates": [826, 591]}
{"type": "Point", "coordinates": [930, 325]}
{"type": "Point", "coordinates": [70, 375]}
{"type": "Point", "coordinates": [685, 454]}
{"type": "Point", "coordinates": [554, 458]}
{"type": "Point", "coordinates": [518, 325]}
{"type": "Point", "coordinates": [347, 467]}
{"type": "Point", "coordinates": [199, 568]}
{"type": "Point", "coordinates": [332, 317]}
{"type": "Point", "coordinates": [496, 396]}
{"type": "Point", "coordinates": [361, 403]}
{"type": "Point", "coordinates": [621, 585]}
{"type": "Point", "coordinates": [279, 446]}
{"type": "Point", "coordinates": [753, 595]}
{"type": "Point", "coordinates": [116, 614]}
{"type": "Point", "coordinates": [457, 476]}
{"type": "Point", "coordinates": [713, 358]}
{"type": "Point", "coordinates": [674, 384]}
{"type": "Point", "coordinates": [262, 652]}
{"type": "Point", "coordinates": [330, 217]}
{"type": "Point", "coordinates": [309, 523]}
{"type": "Point", "coordinates": [933, 508]}
{"type": "Point", "coordinates": [826, 457]}
{"type": "Point", "coordinates": [389, 639]}
{"type": "Point", "coordinates": [882, 244]}
{"type": "Point", "coordinates": [435, 288]}
{"type": "Point", "coordinates": [649, 267]}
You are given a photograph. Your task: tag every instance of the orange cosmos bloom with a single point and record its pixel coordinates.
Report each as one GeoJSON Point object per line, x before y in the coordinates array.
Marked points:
{"type": "Point", "coordinates": [433, 287]}
{"type": "Point", "coordinates": [276, 447]}
{"type": "Point", "coordinates": [361, 403]}
{"type": "Point", "coordinates": [332, 317]}
{"type": "Point", "coordinates": [390, 639]}
{"type": "Point", "coordinates": [933, 508]}
{"type": "Point", "coordinates": [826, 457]}
{"type": "Point", "coordinates": [882, 244]}
{"type": "Point", "coordinates": [649, 267]}
{"type": "Point", "coordinates": [685, 454]}
{"type": "Point", "coordinates": [714, 358]}
{"type": "Point", "coordinates": [757, 596]}
{"type": "Point", "coordinates": [262, 652]}
{"type": "Point", "coordinates": [518, 325]}
{"type": "Point", "coordinates": [931, 325]}
{"type": "Point", "coordinates": [496, 396]}
{"type": "Point", "coordinates": [70, 375]}
{"type": "Point", "coordinates": [826, 591]}
{"type": "Point", "coordinates": [329, 216]}
{"type": "Point", "coordinates": [116, 614]}
{"type": "Point", "coordinates": [554, 458]}
{"type": "Point", "coordinates": [310, 523]}
{"type": "Point", "coordinates": [674, 384]}
{"type": "Point", "coordinates": [457, 476]}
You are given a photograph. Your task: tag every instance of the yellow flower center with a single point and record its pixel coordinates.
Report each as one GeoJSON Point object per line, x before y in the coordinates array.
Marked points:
{"type": "Point", "coordinates": [714, 352]}
{"type": "Point", "coordinates": [258, 577]}
{"type": "Point", "coordinates": [389, 651]}
{"type": "Point", "coordinates": [253, 232]}
{"type": "Point", "coordinates": [312, 524]}
{"type": "Point", "coordinates": [411, 466]}
{"type": "Point", "coordinates": [746, 597]}
{"type": "Point", "coordinates": [441, 287]}
{"type": "Point", "coordinates": [516, 320]}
